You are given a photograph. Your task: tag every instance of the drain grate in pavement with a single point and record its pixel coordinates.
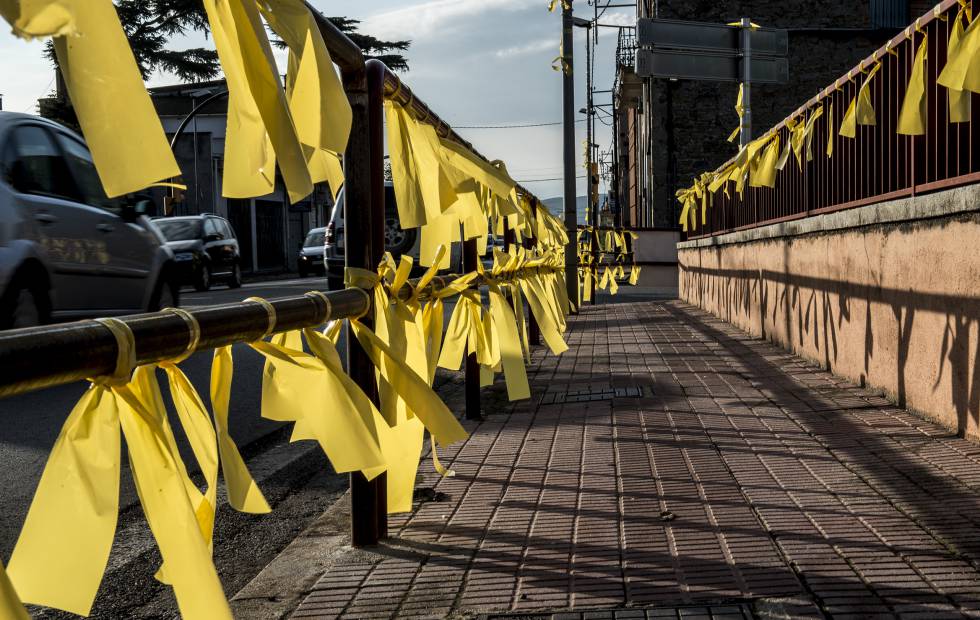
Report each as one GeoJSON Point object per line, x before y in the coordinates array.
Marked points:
{"type": "Point", "coordinates": [591, 394]}
{"type": "Point", "coordinates": [687, 612]}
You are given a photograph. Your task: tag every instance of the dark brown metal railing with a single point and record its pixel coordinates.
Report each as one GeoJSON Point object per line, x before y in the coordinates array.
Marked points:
{"type": "Point", "coordinates": [878, 164]}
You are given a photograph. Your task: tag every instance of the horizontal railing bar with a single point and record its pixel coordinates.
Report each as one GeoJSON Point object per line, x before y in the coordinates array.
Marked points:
{"type": "Point", "coordinates": [34, 358]}
{"type": "Point", "coordinates": [343, 50]}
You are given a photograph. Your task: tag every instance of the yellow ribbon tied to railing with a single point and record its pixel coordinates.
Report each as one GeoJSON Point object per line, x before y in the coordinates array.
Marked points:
{"type": "Point", "coordinates": [31, 19]}
{"type": "Point", "coordinates": [299, 387]}
{"type": "Point", "coordinates": [860, 111]}
{"type": "Point", "coordinates": [10, 606]}
{"type": "Point", "coordinates": [962, 70]}
{"type": "Point", "coordinates": [105, 86]}
{"type": "Point", "coordinates": [912, 117]}
{"type": "Point", "coordinates": [959, 99]}
{"type": "Point", "coordinates": [63, 548]}
{"type": "Point", "coordinates": [409, 405]}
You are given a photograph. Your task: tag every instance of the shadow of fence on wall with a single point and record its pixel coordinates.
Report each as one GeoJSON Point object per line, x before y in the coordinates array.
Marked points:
{"type": "Point", "coordinates": [805, 306]}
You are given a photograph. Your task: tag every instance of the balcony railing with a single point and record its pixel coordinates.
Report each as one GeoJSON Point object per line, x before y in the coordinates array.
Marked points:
{"type": "Point", "coordinates": [878, 164]}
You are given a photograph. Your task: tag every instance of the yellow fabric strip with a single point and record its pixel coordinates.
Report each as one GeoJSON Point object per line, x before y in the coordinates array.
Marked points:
{"type": "Point", "coordinates": [40, 18]}
{"type": "Point", "coordinates": [170, 515]}
{"type": "Point", "coordinates": [959, 100]}
{"type": "Point", "coordinates": [416, 392]}
{"type": "Point", "coordinates": [63, 548]}
{"type": "Point", "coordinates": [912, 117]}
{"type": "Point", "coordinates": [243, 493]}
{"type": "Point", "coordinates": [831, 136]}
{"type": "Point", "coordinates": [260, 131]}
{"type": "Point", "coordinates": [114, 110]}
{"type": "Point", "coordinates": [297, 386]}
{"type": "Point", "coordinates": [10, 606]}
{"type": "Point", "coordinates": [962, 70]}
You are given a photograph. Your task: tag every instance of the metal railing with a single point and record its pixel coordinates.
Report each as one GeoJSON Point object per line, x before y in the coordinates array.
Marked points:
{"type": "Point", "coordinates": [40, 357]}
{"type": "Point", "coordinates": [878, 164]}
{"type": "Point", "coordinates": [626, 47]}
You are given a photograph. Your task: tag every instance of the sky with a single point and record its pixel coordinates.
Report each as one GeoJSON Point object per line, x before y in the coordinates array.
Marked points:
{"type": "Point", "coordinates": [475, 62]}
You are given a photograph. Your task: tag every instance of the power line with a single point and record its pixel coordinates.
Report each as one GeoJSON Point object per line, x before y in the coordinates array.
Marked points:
{"type": "Point", "coordinates": [581, 120]}
{"type": "Point", "coordinates": [551, 179]}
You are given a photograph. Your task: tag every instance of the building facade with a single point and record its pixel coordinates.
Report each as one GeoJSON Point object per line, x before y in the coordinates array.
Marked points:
{"type": "Point", "coordinates": [669, 131]}
{"type": "Point", "coordinates": [269, 229]}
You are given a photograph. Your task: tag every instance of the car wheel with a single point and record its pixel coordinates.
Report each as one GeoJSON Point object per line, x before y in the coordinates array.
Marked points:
{"type": "Point", "coordinates": [24, 304]}
{"type": "Point", "coordinates": [202, 281]}
{"type": "Point", "coordinates": [166, 293]}
{"type": "Point", "coordinates": [303, 272]}
{"type": "Point", "coordinates": [397, 240]}
{"type": "Point", "coordinates": [235, 281]}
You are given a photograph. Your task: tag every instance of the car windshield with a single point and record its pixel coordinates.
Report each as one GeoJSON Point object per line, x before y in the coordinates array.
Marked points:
{"type": "Point", "coordinates": [314, 239]}
{"type": "Point", "coordinates": [179, 230]}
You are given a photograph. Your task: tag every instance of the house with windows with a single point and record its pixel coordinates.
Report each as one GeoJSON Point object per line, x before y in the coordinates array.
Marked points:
{"type": "Point", "coordinates": [269, 229]}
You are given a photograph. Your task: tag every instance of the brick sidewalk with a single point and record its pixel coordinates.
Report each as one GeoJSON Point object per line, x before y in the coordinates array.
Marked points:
{"type": "Point", "coordinates": [668, 460]}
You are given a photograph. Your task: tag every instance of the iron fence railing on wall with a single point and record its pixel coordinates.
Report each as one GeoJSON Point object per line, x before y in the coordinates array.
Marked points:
{"type": "Point", "coordinates": [878, 164]}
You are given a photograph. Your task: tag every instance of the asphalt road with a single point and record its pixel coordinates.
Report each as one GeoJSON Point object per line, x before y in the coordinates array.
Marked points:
{"type": "Point", "coordinates": [31, 422]}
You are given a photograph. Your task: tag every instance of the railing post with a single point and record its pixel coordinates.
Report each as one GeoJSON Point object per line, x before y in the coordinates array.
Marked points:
{"type": "Point", "coordinates": [364, 239]}
{"type": "Point", "coordinates": [533, 332]}
{"type": "Point", "coordinates": [472, 368]}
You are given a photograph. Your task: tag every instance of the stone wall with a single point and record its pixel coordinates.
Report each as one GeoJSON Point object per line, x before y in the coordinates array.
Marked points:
{"type": "Point", "coordinates": [886, 295]}
{"type": "Point", "coordinates": [690, 121]}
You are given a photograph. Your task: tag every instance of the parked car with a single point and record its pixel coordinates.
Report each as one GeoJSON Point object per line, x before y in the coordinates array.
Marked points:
{"type": "Point", "coordinates": [310, 258]}
{"type": "Point", "coordinates": [205, 249]}
{"type": "Point", "coordinates": [66, 250]}
{"type": "Point", "coordinates": [397, 241]}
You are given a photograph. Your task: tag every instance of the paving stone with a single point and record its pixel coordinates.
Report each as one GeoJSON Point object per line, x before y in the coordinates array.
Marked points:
{"type": "Point", "coordinates": [739, 473]}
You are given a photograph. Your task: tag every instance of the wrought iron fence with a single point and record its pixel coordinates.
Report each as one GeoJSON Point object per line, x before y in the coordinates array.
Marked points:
{"type": "Point", "coordinates": [878, 164]}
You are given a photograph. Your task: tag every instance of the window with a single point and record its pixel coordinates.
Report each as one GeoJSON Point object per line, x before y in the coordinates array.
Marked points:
{"type": "Point", "coordinates": [179, 229]}
{"type": "Point", "coordinates": [226, 228]}
{"type": "Point", "coordinates": [211, 229]}
{"type": "Point", "coordinates": [86, 177]}
{"type": "Point", "coordinates": [37, 167]}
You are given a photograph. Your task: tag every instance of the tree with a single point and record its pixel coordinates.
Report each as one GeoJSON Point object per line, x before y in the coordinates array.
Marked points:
{"type": "Point", "coordinates": [385, 51]}
{"type": "Point", "coordinates": [151, 24]}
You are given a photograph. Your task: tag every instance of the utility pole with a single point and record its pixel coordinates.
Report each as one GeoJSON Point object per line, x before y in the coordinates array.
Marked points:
{"type": "Point", "coordinates": [568, 116]}
{"type": "Point", "coordinates": [590, 132]}
{"type": "Point", "coordinates": [745, 135]}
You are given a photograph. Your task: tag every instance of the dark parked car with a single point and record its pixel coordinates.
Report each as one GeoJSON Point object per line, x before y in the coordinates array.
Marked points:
{"type": "Point", "coordinates": [205, 249]}
{"type": "Point", "coordinates": [310, 259]}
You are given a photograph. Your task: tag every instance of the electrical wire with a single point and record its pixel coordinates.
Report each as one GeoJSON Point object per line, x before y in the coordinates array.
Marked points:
{"type": "Point", "coordinates": [582, 176]}
{"type": "Point", "coordinates": [581, 120]}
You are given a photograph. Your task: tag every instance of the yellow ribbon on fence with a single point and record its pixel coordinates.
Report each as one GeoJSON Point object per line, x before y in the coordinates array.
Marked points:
{"type": "Point", "coordinates": [261, 135]}
{"type": "Point", "coordinates": [831, 136]}
{"type": "Point", "coordinates": [300, 387]}
{"type": "Point", "coordinates": [634, 275]}
{"type": "Point", "coordinates": [40, 18]}
{"type": "Point", "coordinates": [959, 99]}
{"type": "Point", "coordinates": [962, 70]}
{"type": "Point", "coordinates": [63, 548]}
{"type": "Point", "coordinates": [912, 117]}
{"type": "Point", "coordinates": [243, 494]}
{"type": "Point", "coordinates": [106, 90]}
{"type": "Point", "coordinates": [740, 110]}
{"type": "Point", "coordinates": [860, 111]}
{"type": "Point", "coordinates": [505, 327]}
{"type": "Point", "coordinates": [10, 606]}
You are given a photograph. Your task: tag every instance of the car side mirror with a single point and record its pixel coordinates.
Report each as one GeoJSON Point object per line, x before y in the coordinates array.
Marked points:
{"type": "Point", "coordinates": [213, 237]}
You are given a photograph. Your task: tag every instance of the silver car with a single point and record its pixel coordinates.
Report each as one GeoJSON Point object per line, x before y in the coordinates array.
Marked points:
{"type": "Point", "coordinates": [66, 250]}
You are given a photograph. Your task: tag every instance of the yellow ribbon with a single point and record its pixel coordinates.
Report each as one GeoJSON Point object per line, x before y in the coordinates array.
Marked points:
{"type": "Point", "coordinates": [63, 548]}
{"type": "Point", "coordinates": [10, 606]}
{"type": "Point", "coordinates": [912, 117]}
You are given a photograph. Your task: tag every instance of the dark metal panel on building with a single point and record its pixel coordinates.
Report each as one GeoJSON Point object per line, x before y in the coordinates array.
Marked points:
{"type": "Point", "coordinates": [685, 65]}
{"type": "Point", "coordinates": [889, 13]}
{"type": "Point", "coordinates": [685, 35]}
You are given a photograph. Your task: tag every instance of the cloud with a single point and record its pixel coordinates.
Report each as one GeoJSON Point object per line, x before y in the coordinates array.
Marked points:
{"type": "Point", "coordinates": [529, 48]}
{"type": "Point", "coordinates": [429, 18]}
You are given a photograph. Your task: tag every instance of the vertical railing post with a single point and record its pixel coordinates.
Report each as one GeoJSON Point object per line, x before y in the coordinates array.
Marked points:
{"type": "Point", "coordinates": [364, 240]}
{"type": "Point", "coordinates": [530, 243]}
{"type": "Point", "coordinates": [472, 368]}
{"type": "Point", "coordinates": [570, 202]}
